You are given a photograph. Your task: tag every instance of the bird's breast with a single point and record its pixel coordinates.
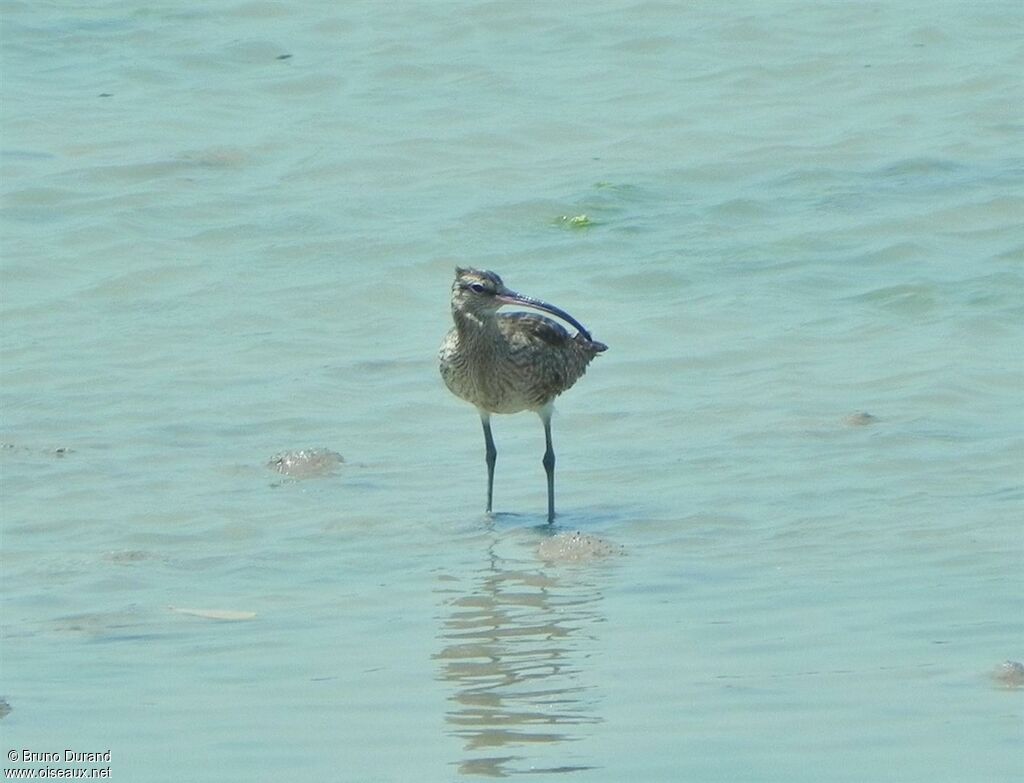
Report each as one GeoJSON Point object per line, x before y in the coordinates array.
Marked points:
{"type": "Point", "coordinates": [485, 376]}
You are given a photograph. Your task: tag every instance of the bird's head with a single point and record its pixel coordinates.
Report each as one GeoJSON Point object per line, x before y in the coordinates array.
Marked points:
{"type": "Point", "coordinates": [481, 292]}
{"type": "Point", "coordinates": [476, 291]}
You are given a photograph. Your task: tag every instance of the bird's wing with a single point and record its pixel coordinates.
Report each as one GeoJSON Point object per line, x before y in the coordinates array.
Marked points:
{"type": "Point", "coordinates": [542, 351]}
{"type": "Point", "coordinates": [524, 330]}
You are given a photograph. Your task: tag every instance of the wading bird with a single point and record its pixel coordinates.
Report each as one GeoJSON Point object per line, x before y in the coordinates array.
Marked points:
{"type": "Point", "coordinates": [510, 362]}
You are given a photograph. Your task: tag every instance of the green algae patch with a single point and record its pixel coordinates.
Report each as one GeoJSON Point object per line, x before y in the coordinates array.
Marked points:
{"type": "Point", "coordinates": [576, 222]}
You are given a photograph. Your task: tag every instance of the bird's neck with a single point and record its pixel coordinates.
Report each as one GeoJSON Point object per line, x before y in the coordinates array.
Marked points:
{"type": "Point", "coordinates": [476, 327]}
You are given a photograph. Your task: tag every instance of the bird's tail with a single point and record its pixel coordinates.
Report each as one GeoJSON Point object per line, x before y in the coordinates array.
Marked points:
{"type": "Point", "coordinates": [591, 345]}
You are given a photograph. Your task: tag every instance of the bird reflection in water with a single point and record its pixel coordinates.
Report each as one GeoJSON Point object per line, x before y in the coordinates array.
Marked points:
{"type": "Point", "coordinates": [514, 641]}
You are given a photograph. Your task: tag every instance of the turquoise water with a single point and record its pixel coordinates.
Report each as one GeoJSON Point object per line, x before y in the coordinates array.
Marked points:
{"type": "Point", "coordinates": [228, 232]}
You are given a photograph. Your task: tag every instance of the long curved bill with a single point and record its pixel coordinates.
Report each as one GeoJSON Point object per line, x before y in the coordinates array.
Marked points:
{"type": "Point", "coordinates": [511, 297]}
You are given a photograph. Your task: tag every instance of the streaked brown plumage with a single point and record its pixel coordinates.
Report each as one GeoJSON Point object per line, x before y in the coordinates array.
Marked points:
{"type": "Point", "coordinates": [510, 362]}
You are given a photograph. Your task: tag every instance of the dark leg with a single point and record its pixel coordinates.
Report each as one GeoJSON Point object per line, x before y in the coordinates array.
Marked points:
{"type": "Point", "coordinates": [549, 464]}
{"type": "Point", "coordinates": [491, 456]}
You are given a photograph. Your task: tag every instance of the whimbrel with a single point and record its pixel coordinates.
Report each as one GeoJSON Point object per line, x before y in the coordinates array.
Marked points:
{"type": "Point", "coordinates": [511, 362]}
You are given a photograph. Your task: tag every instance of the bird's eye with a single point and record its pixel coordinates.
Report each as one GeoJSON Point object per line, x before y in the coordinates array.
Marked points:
{"type": "Point", "coordinates": [476, 288]}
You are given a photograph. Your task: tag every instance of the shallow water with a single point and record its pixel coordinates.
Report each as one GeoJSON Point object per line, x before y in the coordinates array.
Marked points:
{"type": "Point", "coordinates": [228, 234]}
